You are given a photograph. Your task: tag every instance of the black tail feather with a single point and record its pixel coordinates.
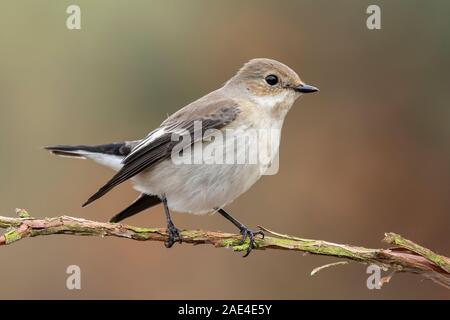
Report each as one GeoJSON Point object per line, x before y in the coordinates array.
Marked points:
{"type": "Point", "coordinates": [65, 151]}
{"type": "Point", "coordinates": [118, 149]}
{"type": "Point", "coordinates": [144, 201]}
{"type": "Point", "coordinates": [80, 151]}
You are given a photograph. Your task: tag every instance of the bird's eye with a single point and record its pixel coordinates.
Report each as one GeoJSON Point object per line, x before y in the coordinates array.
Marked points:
{"type": "Point", "coordinates": [271, 79]}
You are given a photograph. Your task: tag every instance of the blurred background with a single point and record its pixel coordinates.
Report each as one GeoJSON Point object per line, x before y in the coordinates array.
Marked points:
{"type": "Point", "coordinates": [366, 155]}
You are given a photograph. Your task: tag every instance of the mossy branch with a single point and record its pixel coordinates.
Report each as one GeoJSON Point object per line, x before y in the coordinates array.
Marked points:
{"type": "Point", "coordinates": [406, 256]}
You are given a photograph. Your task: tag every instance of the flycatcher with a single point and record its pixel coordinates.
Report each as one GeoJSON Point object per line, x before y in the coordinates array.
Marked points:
{"type": "Point", "coordinates": [258, 97]}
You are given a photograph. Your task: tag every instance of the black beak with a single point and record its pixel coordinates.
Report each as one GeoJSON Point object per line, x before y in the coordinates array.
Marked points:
{"type": "Point", "coordinates": [305, 88]}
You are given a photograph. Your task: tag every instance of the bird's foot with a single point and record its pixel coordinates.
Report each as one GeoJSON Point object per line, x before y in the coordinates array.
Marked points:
{"type": "Point", "coordinates": [250, 234]}
{"type": "Point", "coordinates": [174, 235]}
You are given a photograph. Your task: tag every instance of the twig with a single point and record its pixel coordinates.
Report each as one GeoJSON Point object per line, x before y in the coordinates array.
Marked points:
{"type": "Point", "coordinates": [329, 265]}
{"type": "Point", "coordinates": [405, 257]}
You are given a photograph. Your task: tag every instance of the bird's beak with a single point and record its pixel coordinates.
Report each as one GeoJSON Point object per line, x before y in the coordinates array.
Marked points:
{"type": "Point", "coordinates": [305, 88]}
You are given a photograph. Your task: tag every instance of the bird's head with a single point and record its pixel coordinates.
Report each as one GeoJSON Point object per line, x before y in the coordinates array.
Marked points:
{"type": "Point", "coordinates": [270, 82]}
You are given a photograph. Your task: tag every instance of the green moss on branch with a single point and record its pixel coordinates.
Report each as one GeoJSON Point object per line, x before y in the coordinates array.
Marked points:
{"type": "Point", "coordinates": [410, 257]}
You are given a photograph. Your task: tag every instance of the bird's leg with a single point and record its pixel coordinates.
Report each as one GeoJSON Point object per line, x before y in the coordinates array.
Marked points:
{"type": "Point", "coordinates": [246, 232]}
{"type": "Point", "coordinates": [174, 233]}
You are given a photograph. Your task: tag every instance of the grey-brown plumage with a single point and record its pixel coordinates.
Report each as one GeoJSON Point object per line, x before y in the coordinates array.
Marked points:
{"type": "Point", "coordinates": [215, 113]}
{"type": "Point", "coordinates": [258, 97]}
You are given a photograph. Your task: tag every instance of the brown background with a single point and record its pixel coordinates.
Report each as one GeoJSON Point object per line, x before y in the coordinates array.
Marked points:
{"type": "Point", "coordinates": [368, 154]}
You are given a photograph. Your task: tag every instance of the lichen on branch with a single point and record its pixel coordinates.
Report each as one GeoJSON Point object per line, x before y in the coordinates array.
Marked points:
{"type": "Point", "coordinates": [406, 256]}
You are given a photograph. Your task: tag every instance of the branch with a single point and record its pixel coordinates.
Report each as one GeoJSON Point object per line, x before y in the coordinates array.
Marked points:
{"type": "Point", "coordinates": [406, 256]}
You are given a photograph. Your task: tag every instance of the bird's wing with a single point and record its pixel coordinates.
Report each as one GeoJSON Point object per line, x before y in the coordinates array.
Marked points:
{"type": "Point", "coordinates": [214, 113]}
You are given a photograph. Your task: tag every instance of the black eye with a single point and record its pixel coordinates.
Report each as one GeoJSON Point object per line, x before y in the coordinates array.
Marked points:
{"type": "Point", "coordinates": [272, 79]}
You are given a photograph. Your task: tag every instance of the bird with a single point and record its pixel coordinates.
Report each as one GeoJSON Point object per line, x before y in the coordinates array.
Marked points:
{"type": "Point", "coordinates": [257, 97]}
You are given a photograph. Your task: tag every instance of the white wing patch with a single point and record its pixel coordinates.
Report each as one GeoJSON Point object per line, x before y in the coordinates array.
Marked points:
{"type": "Point", "coordinates": [152, 136]}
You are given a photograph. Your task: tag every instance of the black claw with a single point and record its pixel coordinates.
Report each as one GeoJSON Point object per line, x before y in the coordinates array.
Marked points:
{"type": "Point", "coordinates": [251, 236]}
{"type": "Point", "coordinates": [172, 231]}
{"type": "Point", "coordinates": [174, 236]}
{"type": "Point", "coordinates": [244, 231]}
{"type": "Point", "coordinates": [260, 233]}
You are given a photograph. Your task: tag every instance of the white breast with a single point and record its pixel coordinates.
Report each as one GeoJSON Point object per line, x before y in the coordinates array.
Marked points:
{"type": "Point", "coordinates": [200, 188]}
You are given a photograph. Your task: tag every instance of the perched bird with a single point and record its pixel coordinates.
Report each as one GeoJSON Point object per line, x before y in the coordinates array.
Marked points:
{"type": "Point", "coordinates": [257, 97]}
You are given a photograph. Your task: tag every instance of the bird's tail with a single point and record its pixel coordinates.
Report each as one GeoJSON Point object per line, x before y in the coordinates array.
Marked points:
{"type": "Point", "coordinates": [110, 155]}
{"type": "Point", "coordinates": [69, 151]}
{"type": "Point", "coordinates": [120, 149]}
